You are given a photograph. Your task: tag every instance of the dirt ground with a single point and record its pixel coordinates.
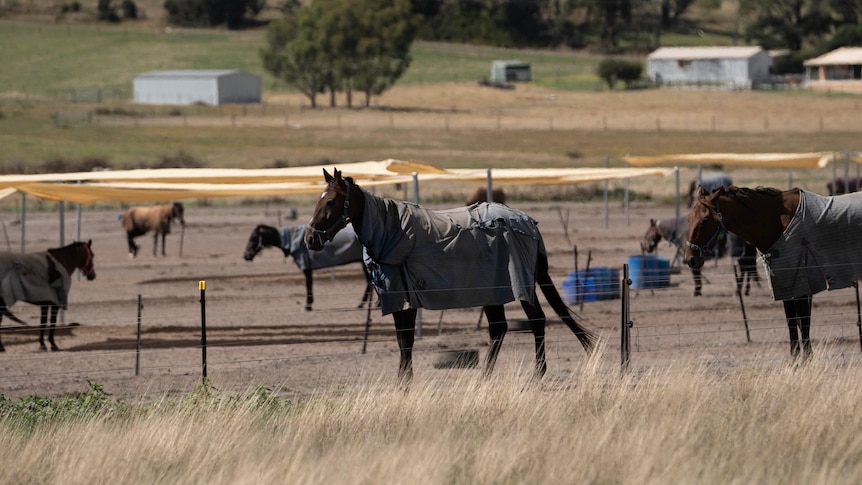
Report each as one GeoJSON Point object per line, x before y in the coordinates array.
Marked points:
{"type": "Point", "coordinates": [258, 333]}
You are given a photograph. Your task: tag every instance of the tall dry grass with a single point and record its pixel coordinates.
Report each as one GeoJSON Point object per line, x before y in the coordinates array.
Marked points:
{"type": "Point", "coordinates": [681, 423]}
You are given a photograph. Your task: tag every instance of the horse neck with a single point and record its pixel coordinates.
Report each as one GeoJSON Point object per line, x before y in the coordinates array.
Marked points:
{"type": "Point", "coordinates": [270, 237]}
{"type": "Point", "coordinates": [66, 257]}
{"type": "Point", "coordinates": [760, 227]}
{"type": "Point", "coordinates": [356, 211]}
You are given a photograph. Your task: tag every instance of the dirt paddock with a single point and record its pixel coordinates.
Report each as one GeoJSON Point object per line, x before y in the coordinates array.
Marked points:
{"type": "Point", "coordinates": [258, 333]}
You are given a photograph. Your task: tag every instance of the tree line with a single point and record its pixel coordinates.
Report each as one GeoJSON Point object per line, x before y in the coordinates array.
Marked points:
{"type": "Point", "coordinates": [363, 46]}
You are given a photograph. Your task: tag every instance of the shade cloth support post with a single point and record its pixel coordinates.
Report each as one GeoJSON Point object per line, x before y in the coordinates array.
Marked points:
{"type": "Point", "coordinates": [834, 169]}
{"type": "Point", "coordinates": [676, 195]}
{"type": "Point", "coordinates": [627, 199]}
{"type": "Point", "coordinates": [416, 201]}
{"type": "Point", "coordinates": [489, 195]}
{"type": "Point", "coordinates": [23, 222]}
{"type": "Point", "coordinates": [61, 206]}
{"type": "Point", "coordinates": [605, 196]}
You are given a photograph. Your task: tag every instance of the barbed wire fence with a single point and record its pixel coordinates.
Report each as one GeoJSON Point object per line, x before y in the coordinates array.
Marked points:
{"type": "Point", "coordinates": [667, 324]}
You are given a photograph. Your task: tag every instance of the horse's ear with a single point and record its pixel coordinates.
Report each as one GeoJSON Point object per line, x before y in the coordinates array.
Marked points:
{"type": "Point", "coordinates": [90, 242]}
{"type": "Point", "coordinates": [652, 222]}
{"type": "Point", "coordinates": [326, 176]}
{"type": "Point", "coordinates": [338, 177]}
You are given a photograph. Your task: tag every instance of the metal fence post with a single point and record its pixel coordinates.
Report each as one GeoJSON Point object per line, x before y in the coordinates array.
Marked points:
{"type": "Point", "coordinates": [626, 323]}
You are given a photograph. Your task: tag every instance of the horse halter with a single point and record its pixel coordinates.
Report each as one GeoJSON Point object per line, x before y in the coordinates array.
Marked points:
{"type": "Point", "coordinates": [711, 241]}
{"type": "Point", "coordinates": [330, 232]}
{"type": "Point", "coordinates": [87, 267]}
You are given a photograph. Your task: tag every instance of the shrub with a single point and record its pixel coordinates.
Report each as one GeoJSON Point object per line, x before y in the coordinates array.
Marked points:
{"type": "Point", "coordinates": [613, 70]}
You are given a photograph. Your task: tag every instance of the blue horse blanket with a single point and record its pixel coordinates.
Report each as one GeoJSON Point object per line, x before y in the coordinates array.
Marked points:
{"type": "Point", "coordinates": [820, 248]}
{"type": "Point", "coordinates": [344, 248]}
{"type": "Point", "coordinates": [482, 254]}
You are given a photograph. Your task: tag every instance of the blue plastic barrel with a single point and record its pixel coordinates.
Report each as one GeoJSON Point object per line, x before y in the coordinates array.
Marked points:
{"type": "Point", "coordinates": [593, 285]}
{"type": "Point", "coordinates": [649, 271]}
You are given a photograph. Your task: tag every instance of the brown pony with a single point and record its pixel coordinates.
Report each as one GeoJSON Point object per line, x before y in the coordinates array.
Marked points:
{"type": "Point", "coordinates": [798, 257]}
{"type": "Point", "coordinates": [138, 221]}
{"type": "Point", "coordinates": [484, 255]}
{"type": "Point", "coordinates": [481, 195]}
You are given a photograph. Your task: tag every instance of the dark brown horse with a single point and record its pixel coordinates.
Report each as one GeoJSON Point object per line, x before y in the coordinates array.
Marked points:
{"type": "Point", "coordinates": [428, 259]}
{"type": "Point", "coordinates": [43, 279]}
{"type": "Point", "coordinates": [807, 241]}
{"type": "Point", "coordinates": [481, 195]}
{"type": "Point", "coordinates": [345, 249]}
{"type": "Point", "coordinates": [138, 221]}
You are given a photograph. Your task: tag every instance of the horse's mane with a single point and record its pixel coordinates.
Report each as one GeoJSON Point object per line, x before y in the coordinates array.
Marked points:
{"type": "Point", "coordinates": [747, 196]}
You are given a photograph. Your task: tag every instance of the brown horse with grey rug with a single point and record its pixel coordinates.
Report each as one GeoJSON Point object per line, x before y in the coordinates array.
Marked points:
{"type": "Point", "coordinates": [138, 221]}
{"type": "Point", "coordinates": [44, 279]}
{"type": "Point", "coordinates": [480, 255]}
{"type": "Point", "coordinates": [809, 242]}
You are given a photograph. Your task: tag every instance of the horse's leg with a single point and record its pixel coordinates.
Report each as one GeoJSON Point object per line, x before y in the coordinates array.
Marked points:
{"type": "Point", "coordinates": [133, 248]}
{"type": "Point", "coordinates": [366, 297]}
{"type": "Point", "coordinates": [2, 348]}
{"type": "Point", "coordinates": [698, 281]}
{"type": "Point", "coordinates": [164, 235]}
{"type": "Point", "coordinates": [536, 317]}
{"type": "Point", "coordinates": [803, 314]}
{"type": "Point", "coordinates": [405, 325]}
{"type": "Point", "coordinates": [54, 310]}
{"type": "Point", "coordinates": [309, 294]}
{"type": "Point", "coordinates": [790, 313]}
{"type": "Point", "coordinates": [43, 320]}
{"type": "Point", "coordinates": [497, 328]}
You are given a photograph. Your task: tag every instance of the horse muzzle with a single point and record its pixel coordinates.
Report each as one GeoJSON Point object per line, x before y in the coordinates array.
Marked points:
{"type": "Point", "coordinates": [91, 276]}
{"type": "Point", "coordinates": [315, 239]}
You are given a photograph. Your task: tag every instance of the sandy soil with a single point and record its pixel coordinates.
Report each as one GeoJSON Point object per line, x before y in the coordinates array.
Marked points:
{"type": "Point", "coordinates": [258, 333]}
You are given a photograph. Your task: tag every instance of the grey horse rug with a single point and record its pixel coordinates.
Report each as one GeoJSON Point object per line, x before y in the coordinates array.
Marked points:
{"type": "Point", "coordinates": [820, 248]}
{"type": "Point", "coordinates": [33, 278]}
{"type": "Point", "coordinates": [344, 248]}
{"type": "Point", "coordinates": [482, 254]}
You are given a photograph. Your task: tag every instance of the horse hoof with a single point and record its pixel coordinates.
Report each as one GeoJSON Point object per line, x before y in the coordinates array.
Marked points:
{"type": "Point", "coordinates": [307, 308]}
{"type": "Point", "coordinates": [697, 293]}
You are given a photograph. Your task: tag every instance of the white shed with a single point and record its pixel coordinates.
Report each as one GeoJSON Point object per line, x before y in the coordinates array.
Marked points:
{"type": "Point", "coordinates": [184, 87]}
{"type": "Point", "coordinates": [510, 71]}
{"type": "Point", "coordinates": [735, 67]}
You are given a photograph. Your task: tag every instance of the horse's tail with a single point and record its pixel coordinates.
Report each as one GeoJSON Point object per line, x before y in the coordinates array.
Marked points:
{"type": "Point", "coordinates": [587, 338]}
{"type": "Point", "coordinates": [4, 311]}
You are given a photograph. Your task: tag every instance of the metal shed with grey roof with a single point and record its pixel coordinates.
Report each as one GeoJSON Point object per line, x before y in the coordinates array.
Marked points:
{"type": "Point", "coordinates": [184, 87]}
{"type": "Point", "coordinates": [734, 67]}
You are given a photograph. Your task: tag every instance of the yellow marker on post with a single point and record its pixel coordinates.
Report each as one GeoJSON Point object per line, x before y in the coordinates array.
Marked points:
{"type": "Point", "coordinates": [202, 285]}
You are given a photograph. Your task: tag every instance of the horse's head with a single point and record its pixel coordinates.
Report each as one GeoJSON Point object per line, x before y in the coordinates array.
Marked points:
{"type": "Point", "coordinates": [178, 212]}
{"type": "Point", "coordinates": [332, 212]}
{"type": "Point", "coordinates": [651, 238]}
{"type": "Point", "coordinates": [704, 226]}
{"type": "Point", "coordinates": [254, 245]}
{"type": "Point", "coordinates": [86, 257]}
{"type": "Point", "coordinates": [262, 236]}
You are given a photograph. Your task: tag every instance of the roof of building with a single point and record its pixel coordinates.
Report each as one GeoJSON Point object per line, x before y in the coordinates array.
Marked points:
{"type": "Point", "coordinates": [691, 53]}
{"type": "Point", "coordinates": [840, 56]}
{"type": "Point", "coordinates": [188, 73]}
